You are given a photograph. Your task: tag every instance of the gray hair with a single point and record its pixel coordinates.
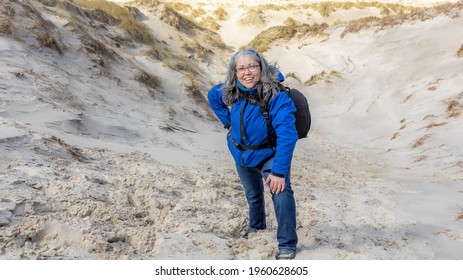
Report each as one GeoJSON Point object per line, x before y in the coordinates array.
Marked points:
{"type": "Point", "coordinates": [267, 86]}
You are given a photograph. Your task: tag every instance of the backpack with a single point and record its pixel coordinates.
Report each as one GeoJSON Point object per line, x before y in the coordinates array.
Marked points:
{"type": "Point", "coordinates": [302, 115]}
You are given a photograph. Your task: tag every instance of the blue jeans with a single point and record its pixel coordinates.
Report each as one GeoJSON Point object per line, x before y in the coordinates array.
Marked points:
{"type": "Point", "coordinates": [283, 203]}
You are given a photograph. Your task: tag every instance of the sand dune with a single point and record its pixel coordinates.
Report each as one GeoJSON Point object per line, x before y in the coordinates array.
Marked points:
{"type": "Point", "coordinates": [109, 150]}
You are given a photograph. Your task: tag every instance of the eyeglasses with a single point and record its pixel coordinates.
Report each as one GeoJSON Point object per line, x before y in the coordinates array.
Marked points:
{"type": "Point", "coordinates": [251, 68]}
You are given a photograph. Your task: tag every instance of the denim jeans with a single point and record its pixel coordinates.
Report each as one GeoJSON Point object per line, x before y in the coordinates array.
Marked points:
{"type": "Point", "coordinates": [283, 203]}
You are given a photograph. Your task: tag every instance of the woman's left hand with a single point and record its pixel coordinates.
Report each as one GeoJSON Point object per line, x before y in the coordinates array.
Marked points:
{"type": "Point", "coordinates": [276, 184]}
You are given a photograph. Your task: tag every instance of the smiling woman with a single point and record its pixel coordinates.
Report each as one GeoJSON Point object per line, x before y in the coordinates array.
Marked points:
{"type": "Point", "coordinates": [247, 71]}
{"type": "Point", "coordinates": [251, 80]}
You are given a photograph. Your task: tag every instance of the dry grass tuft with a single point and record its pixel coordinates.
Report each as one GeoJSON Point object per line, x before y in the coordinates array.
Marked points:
{"type": "Point", "coordinates": [325, 8]}
{"type": "Point", "coordinates": [152, 82]}
{"type": "Point", "coordinates": [19, 74]}
{"type": "Point", "coordinates": [454, 109]}
{"type": "Point", "coordinates": [21, 17]}
{"type": "Point", "coordinates": [419, 142]}
{"type": "Point", "coordinates": [460, 215]}
{"type": "Point", "coordinates": [113, 14]}
{"type": "Point", "coordinates": [96, 11]}
{"type": "Point", "coordinates": [290, 30]}
{"type": "Point", "coordinates": [407, 98]}
{"type": "Point", "coordinates": [221, 14]}
{"type": "Point", "coordinates": [210, 23]}
{"type": "Point", "coordinates": [49, 3]}
{"type": "Point", "coordinates": [323, 76]}
{"type": "Point", "coordinates": [45, 31]}
{"type": "Point", "coordinates": [98, 48]}
{"type": "Point", "coordinates": [8, 11]}
{"type": "Point", "coordinates": [460, 51]}
{"type": "Point", "coordinates": [196, 50]}
{"type": "Point", "coordinates": [292, 75]}
{"type": "Point", "coordinates": [178, 21]}
{"type": "Point", "coordinates": [47, 40]}
{"type": "Point", "coordinates": [421, 158]}
{"type": "Point", "coordinates": [196, 13]}
{"type": "Point", "coordinates": [253, 17]}
{"type": "Point", "coordinates": [195, 93]}
{"type": "Point", "coordinates": [430, 116]}
{"type": "Point", "coordinates": [72, 150]}
{"type": "Point", "coordinates": [357, 25]}
{"type": "Point", "coordinates": [6, 27]}
{"type": "Point", "coordinates": [432, 125]}
{"type": "Point", "coordinates": [180, 7]}
{"type": "Point", "coordinates": [402, 14]}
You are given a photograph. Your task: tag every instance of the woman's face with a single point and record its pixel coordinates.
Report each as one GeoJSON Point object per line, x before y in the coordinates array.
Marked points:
{"type": "Point", "coordinates": [247, 71]}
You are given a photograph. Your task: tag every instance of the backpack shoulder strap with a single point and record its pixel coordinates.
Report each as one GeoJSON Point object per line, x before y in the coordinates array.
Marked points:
{"type": "Point", "coordinates": [264, 109]}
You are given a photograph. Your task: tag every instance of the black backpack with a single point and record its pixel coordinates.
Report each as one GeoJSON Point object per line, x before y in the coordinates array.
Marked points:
{"type": "Point", "coordinates": [303, 118]}
{"type": "Point", "coordinates": [302, 115]}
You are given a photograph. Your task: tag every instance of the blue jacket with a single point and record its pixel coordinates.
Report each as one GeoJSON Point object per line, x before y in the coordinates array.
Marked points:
{"type": "Point", "coordinates": [282, 120]}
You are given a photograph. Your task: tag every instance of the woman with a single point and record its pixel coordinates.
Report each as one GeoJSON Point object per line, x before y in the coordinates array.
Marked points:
{"type": "Point", "coordinates": [251, 81]}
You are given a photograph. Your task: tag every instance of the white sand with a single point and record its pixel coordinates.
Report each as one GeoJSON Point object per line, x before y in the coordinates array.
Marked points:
{"type": "Point", "coordinates": [96, 166]}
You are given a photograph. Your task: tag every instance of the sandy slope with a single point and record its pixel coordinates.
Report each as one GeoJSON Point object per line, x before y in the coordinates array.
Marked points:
{"type": "Point", "coordinates": [94, 167]}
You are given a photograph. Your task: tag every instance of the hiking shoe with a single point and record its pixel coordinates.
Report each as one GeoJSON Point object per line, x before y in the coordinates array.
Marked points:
{"type": "Point", "coordinates": [286, 255]}
{"type": "Point", "coordinates": [248, 232]}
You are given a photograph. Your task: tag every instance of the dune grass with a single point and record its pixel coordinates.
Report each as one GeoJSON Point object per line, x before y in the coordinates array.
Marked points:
{"type": "Point", "coordinates": [210, 23]}
{"type": "Point", "coordinates": [6, 27]}
{"type": "Point", "coordinates": [419, 142]}
{"type": "Point", "coordinates": [149, 80]}
{"type": "Point", "coordinates": [220, 14]}
{"type": "Point", "coordinates": [460, 51]}
{"type": "Point", "coordinates": [292, 75]}
{"type": "Point", "coordinates": [253, 17]}
{"type": "Point", "coordinates": [400, 15]}
{"type": "Point", "coordinates": [323, 76]}
{"type": "Point", "coordinates": [454, 109]}
{"type": "Point", "coordinates": [328, 7]}
{"type": "Point", "coordinates": [194, 47]}
{"type": "Point", "coordinates": [460, 215]}
{"type": "Point", "coordinates": [138, 31]}
{"type": "Point", "coordinates": [291, 29]}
